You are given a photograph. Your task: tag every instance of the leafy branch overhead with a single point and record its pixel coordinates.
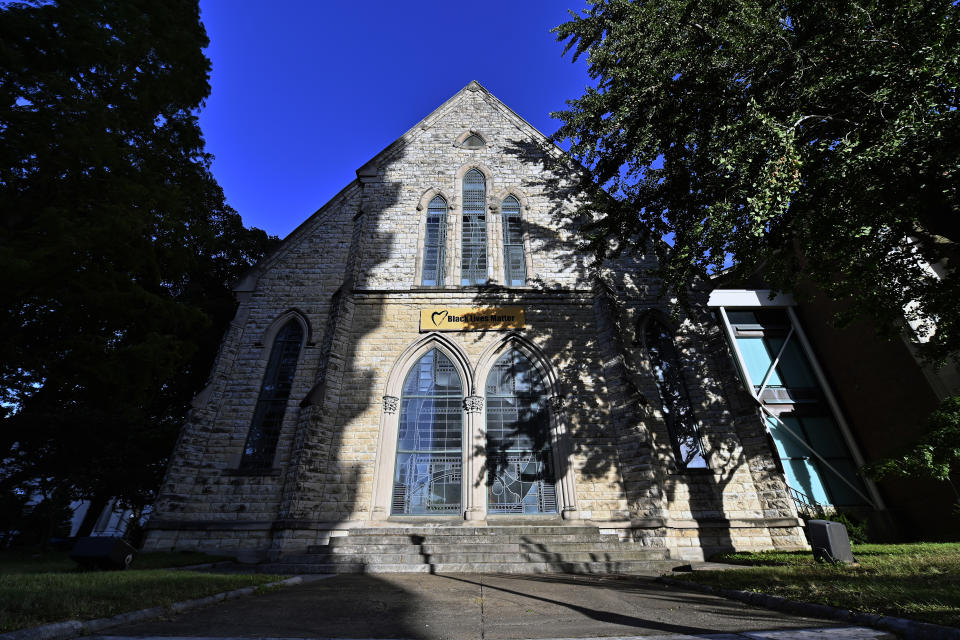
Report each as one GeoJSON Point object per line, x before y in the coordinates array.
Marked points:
{"type": "Point", "coordinates": [811, 141]}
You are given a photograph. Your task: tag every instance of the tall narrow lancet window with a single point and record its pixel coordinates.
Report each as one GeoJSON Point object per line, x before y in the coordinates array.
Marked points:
{"type": "Point", "coordinates": [473, 265]}
{"type": "Point", "coordinates": [520, 477]}
{"type": "Point", "coordinates": [429, 444]}
{"type": "Point", "coordinates": [674, 397]}
{"type": "Point", "coordinates": [272, 403]}
{"type": "Point", "coordinates": [433, 242]}
{"type": "Point", "coordinates": [514, 264]}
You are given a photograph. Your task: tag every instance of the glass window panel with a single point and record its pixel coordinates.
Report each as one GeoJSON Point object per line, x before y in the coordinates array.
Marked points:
{"type": "Point", "coordinates": [793, 367]}
{"type": "Point", "coordinates": [825, 437]}
{"type": "Point", "coordinates": [773, 319]}
{"type": "Point", "coordinates": [519, 477]}
{"type": "Point", "coordinates": [473, 141]}
{"type": "Point", "coordinates": [742, 317]}
{"type": "Point", "coordinates": [514, 264]}
{"type": "Point", "coordinates": [804, 476]}
{"type": "Point", "coordinates": [434, 242]}
{"type": "Point", "coordinates": [261, 444]}
{"type": "Point", "coordinates": [841, 492]}
{"type": "Point", "coordinates": [430, 439]}
{"type": "Point", "coordinates": [473, 265]}
{"type": "Point", "coordinates": [789, 445]}
{"type": "Point", "coordinates": [758, 360]}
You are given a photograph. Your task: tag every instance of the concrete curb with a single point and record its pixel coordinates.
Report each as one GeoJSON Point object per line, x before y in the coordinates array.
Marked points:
{"type": "Point", "coordinates": [909, 629]}
{"type": "Point", "coordinates": [71, 628]}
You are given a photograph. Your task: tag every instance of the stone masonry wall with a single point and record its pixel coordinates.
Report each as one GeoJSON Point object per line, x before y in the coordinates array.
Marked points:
{"type": "Point", "coordinates": [351, 272]}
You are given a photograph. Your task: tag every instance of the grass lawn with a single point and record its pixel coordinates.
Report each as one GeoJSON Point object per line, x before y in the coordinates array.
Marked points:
{"type": "Point", "coordinates": [39, 589]}
{"type": "Point", "coordinates": [918, 581]}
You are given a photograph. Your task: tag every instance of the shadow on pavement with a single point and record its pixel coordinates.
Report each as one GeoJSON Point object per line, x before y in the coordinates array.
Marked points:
{"type": "Point", "coordinates": [468, 606]}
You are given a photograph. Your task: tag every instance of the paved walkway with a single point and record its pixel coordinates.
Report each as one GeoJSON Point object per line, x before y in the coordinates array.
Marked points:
{"type": "Point", "coordinates": [488, 607]}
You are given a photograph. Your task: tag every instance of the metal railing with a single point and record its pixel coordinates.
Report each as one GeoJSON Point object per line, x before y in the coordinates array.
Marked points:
{"type": "Point", "coordinates": [807, 507]}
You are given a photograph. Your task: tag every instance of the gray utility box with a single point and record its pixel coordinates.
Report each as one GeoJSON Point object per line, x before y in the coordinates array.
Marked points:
{"type": "Point", "coordinates": [829, 541]}
{"type": "Point", "coordinates": [100, 552]}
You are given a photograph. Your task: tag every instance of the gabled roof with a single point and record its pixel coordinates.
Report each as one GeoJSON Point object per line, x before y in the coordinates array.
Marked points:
{"type": "Point", "coordinates": [370, 169]}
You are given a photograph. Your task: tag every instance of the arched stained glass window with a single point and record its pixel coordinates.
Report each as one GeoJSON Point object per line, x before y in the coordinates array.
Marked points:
{"type": "Point", "coordinates": [514, 265]}
{"type": "Point", "coordinates": [272, 402]}
{"type": "Point", "coordinates": [674, 397]}
{"type": "Point", "coordinates": [473, 265]}
{"type": "Point", "coordinates": [430, 439]}
{"type": "Point", "coordinates": [433, 242]}
{"type": "Point", "coordinates": [520, 476]}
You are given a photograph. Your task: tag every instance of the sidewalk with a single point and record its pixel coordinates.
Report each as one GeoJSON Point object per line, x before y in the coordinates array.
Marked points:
{"type": "Point", "coordinates": [487, 607]}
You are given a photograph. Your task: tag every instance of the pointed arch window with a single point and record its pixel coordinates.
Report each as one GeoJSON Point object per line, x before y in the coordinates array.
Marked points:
{"type": "Point", "coordinates": [473, 264]}
{"type": "Point", "coordinates": [473, 141]}
{"type": "Point", "coordinates": [514, 263]}
{"type": "Point", "coordinates": [674, 396]}
{"type": "Point", "coordinates": [261, 445]}
{"type": "Point", "coordinates": [429, 466]}
{"type": "Point", "coordinates": [433, 243]}
{"type": "Point", "coordinates": [520, 476]}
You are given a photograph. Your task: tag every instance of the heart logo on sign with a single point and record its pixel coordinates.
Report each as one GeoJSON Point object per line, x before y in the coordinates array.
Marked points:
{"type": "Point", "coordinates": [433, 317]}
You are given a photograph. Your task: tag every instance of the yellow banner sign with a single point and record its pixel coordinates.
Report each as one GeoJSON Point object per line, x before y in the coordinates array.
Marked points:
{"type": "Point", "coordinates": [464, 319]}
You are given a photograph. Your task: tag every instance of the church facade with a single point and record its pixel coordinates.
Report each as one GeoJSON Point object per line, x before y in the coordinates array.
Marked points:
{"type": "Point", "coordinates": [432, 348]}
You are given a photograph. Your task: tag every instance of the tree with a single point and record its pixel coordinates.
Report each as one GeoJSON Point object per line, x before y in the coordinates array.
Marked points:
{"type": "Point", "coordinates": [117, 248]}
{"type": "Point", "coordinates": [935, 455]}
{"type": "Point", "coordinates": [813, 141]}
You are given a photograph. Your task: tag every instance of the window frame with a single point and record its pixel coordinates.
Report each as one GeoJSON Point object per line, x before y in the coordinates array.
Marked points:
{"type": "Point", "coordinates": [484, 225]}
{"type": "Point", "coordinates": [441, 244]}
{"type": "Point", "coordinates": [505, 216]}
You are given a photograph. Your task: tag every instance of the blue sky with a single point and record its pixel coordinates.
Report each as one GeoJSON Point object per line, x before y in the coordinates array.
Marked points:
{"type": "Point", "coordinates": [303, 93]}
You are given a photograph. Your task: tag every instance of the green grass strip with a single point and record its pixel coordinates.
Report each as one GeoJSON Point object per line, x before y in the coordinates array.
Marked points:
{"type": "Point", "coordinates": [916, 581]}
{"type": "Point", "coordinates": [31, 599]}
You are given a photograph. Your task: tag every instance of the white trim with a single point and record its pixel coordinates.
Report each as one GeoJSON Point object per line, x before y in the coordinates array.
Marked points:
{"type": "Point", "coordinates": [749, 298]}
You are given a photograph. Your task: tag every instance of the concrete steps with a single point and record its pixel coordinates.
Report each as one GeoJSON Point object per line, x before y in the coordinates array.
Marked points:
{"type": "Point", "coordinates": [493, 549]}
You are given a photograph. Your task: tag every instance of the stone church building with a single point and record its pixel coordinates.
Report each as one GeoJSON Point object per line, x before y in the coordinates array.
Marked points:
{"type": "Point", "coordinates": [432, 352]}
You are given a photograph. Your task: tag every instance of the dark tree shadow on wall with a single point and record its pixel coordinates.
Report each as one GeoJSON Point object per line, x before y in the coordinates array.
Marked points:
{"type": "Point", "coordinates": [329, 478]}
{"type": "Point", "coordinates": [588, 321]}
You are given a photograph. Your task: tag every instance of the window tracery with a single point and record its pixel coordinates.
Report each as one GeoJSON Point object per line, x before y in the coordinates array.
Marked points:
{"type": "Point", "coordinates": [514, 260]}
{"type": "Point", "coordinates": [519, 460]}
{"type": "Point", "coordinates": [434, 243]}
{"type": "Point", "coordinates": [473, 234]}
{"type": "Point", "coordinates": [427, 477]}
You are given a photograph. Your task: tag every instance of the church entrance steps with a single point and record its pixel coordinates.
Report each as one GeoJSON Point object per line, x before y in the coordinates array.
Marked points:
{"type": "Point", "coordinates": [494, 547]}
{"type": "Point", "coordinates": [521, 549]}
{"type": "Point", "coordinates": [457, 540]}
{"type": "Point", "coordinates": [646, 567]}
{"type": "Point", "coordinates": [413, 556]}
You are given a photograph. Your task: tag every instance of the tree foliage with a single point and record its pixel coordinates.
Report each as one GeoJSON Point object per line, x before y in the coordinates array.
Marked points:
{"type": "Point", "coordinates": [117, 248]}
{"type": "Point", "coordinates": [936, 455]}
{"type": "Point", "coordinates": [811, 140]}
